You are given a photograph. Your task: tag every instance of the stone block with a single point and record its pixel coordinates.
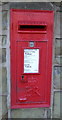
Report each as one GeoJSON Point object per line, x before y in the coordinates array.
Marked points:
{"type": "Point", "coordinates": [4, 80]}
{"type": "Point", "coordinates": [0, 20]}
{"type": "Point", "coordinates": [5, 117]}
{"type": "Point", "coordinates": [0, 107]}
{"type": "Point", "coordinates": [0, 55]}
{"type": "Point", "coordinates": [32, 4]}
{"type": "Point", "coordinates": [56, 107]}
{"type": "Point", "coordinates": [57, 24]}
{"type": "Point", "coordinates": [58, 60]}
{"type": "Point", "coordinates": [0, 3]}
{"type": "Point", "coordinates": [5, 6]}
{"type": "Point", "coordinates": [57, 77]}
{"type": "Point", "coordinates": [60, 104]}
{"type": "Point", "coordinates": [4, 40]}
{"type": "Point", "coordinates": [0, 40]}
{"type": "Point", "coordinates": [3, 55]}
{"type": "Point", "coordinates": [48, 113]}
{"type": "Point", "coordinates": [28, 113]}
{"type": "Point", "coordinates": [0, 80]}
{"type": "Point", "coordinates": [60, 23]}
{"type": "Point", "coordinates": [58, 52]}
{"type": "Point", "coordinates": [4, 20]}
{"type": "Point", "coordinates": [3, 104]}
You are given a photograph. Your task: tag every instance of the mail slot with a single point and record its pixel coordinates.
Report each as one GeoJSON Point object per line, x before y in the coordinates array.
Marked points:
{"type": "Point", "coordinates": [32, 28]}
{"type": "Point", "coordinates": [31, 40]}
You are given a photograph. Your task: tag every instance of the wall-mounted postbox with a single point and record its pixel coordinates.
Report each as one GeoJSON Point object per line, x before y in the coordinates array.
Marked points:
{"type": "Point", "coordinates": [31, 58]}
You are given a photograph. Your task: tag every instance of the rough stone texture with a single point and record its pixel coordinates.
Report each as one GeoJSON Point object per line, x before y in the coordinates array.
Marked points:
{"type": "Point", "coordinates": [5, 6]}
{"type": "Point", "coordinates": [4, 117]}
{"type": "Point", "coordinates": [28, 113]}
{"type": "Point", "coordinates": [58, 77]}
{"type": "Point", "coordinates": [4, 81]}
{"type": "Point", "coordinates": [56, 112]}
{"type": "Point", "coordinates": [4, 22]}
{"type": "Point", "coordinates": [0, 55]}
{"type": "Point", "coordinates": [3, 102]}
{"type": "Point", "coordinates": [4, 40]}
{"type": "Point", "coordinates": [0, 80]}
{"type": "Point", "coordinates": [61, 78]}
{"type": "Point", "coordinates": [0, 20]}
{"type": "Point", "coordinates": [60, 104]}
{"type": "Point", "coordinates": [0, 40]}
{"type": "Point", "coordinates": [31, 5]}
{"type": "Point", "coordinates": [48, 113]}
{"type": "Point", "coordinates": [3, 55]}
{"type": "Point", "coordinates": [0, 107]}
{"type": "Point", "coordinates": [61, 21]}
{"type": "Point", "coordinates": [57, 24]}
{"type": "Point", "coordinates": [58, 52]}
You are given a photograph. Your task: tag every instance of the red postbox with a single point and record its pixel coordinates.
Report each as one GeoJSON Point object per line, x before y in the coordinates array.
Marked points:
{"type": "Point", "coordinates": [31, 57]}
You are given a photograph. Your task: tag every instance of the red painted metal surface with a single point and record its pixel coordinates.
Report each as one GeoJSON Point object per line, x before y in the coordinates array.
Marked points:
{"type": "Point", "coordinates": [31, 89]}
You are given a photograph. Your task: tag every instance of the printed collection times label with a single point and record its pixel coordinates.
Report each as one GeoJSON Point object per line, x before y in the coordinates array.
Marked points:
{"type": "Point", "coordinates": [31, 60]}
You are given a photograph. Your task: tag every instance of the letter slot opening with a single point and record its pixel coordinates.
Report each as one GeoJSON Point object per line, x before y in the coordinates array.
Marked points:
{"type": "Point", "coordinates": [32, 28]}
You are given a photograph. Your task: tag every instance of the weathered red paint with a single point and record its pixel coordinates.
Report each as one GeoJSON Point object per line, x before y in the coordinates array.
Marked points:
{"type": "Point", "coordinates": [31, 90]}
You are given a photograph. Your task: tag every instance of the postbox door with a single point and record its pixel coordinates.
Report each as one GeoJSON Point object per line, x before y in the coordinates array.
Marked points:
{"type": "Point", "coordinates": [31, 72]}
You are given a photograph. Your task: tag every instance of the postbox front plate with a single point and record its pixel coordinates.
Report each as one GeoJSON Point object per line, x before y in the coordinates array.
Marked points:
{"type": "Point", "coordinates": [31, 37]}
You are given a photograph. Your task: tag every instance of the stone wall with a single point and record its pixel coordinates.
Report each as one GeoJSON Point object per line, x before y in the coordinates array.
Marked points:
{"type": "Point", "coordinates": [54, 110]}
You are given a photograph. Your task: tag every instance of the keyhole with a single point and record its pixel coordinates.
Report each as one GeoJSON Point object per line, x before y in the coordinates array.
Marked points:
{"type": "Point", "coordinates": [22, 77]}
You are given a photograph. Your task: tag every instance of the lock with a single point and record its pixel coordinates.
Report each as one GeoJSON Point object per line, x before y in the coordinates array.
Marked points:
{"type": "Point", "coordinates": [23, 78]}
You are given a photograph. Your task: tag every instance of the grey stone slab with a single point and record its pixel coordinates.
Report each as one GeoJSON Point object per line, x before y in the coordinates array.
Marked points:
{"type": "Point", "coordinates": [0, 80]}
{"type": "Point", "coordinates": [5, 117]}
{"type": "Point", "coordinates": [57, 24]}
{"type": "Point", "coordinates": [32, 4]}
{"type": "Point", "coordinates": [0, 40]}
{"type": "Point", "coordinates": [4, 40]}
{"type": "Point", "coordinates": [4, 20]}
{"type": "Point", "coordinates": [28, 113]}
{"type": "Point", "coordinates": [3, 104]}
{"type": "Point", "coordinates": [60, 104]}
{"type": "Point", "coordinates": [58, 52]}
{"type": "Point", "coordinates": [56, 107]}
{"type": "Point", "coordinates": [4, 32]}
{"type": "Point", "coordinates": [0, 20]}
{"type": "Point", "coordinates": [58, 47]}
{"type": "Point", "coordinates": [0, 3]}
{"type": "Point", "coordinates": [48, 113]}
{"type": "Point", "coordinates": [0, 55]}
{"type": "Point", "coordinates": [5, 6]}
{"type": "Point", "coordinates": [3, 55]}
{"type": "Point", "coordinates": [61, 23]}
{"type": "Point", "coordinates": [57, 77]}
{"type": "Point", "coordinates": [0, 107]}
{"type": "Point", "coordinates": [58, 60]}
{"type": "Point", "coordinates": [4, 80]}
